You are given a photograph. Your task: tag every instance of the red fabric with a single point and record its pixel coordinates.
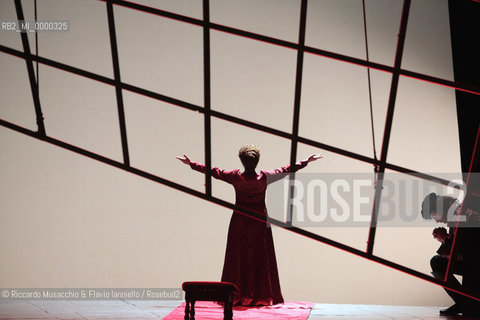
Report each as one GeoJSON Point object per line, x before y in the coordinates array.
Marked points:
{"type": "Point", "coordinates": [250, 261]}
{"type": "Point", "coordinates": [211, 310]}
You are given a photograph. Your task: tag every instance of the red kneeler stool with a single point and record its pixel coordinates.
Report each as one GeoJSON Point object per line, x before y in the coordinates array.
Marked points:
{"type": "Point", "coordinates": [208, 291]}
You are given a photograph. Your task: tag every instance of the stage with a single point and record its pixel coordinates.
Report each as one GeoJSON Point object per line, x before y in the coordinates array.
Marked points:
{"type": "Point", "coordinates": [139, 310]}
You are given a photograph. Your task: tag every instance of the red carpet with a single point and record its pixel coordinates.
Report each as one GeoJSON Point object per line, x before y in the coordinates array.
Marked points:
{"type": "Point", "coordinates": [210, 310]}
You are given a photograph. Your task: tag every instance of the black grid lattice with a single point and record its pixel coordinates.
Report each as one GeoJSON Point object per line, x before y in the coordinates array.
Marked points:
{"type": "Point", "coordinates": [208, 113]}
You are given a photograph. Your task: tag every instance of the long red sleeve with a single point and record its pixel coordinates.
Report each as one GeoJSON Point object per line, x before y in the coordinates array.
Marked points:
{"type": "Point", "coordinates": [216, 172]}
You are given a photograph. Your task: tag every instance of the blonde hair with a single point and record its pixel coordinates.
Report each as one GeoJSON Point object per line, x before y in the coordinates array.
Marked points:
{"type": "Point", "coordinates": [249, 155]}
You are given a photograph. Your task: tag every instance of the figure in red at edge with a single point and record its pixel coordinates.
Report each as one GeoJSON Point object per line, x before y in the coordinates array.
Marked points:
{"type": "Point", "coordinates": [250, 261]}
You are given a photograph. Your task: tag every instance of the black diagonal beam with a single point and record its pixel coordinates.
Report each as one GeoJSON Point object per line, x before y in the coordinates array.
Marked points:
{"type": "Point", "coordinates": [118, 83]}
{"type": "Point", "coordinates": [31, 73]}
{"type": "Point", "coordinates": [207, 97]}
{"type": "Point", "coordinates": [297, 99]}
{"type": "Point", "coordinates": [388, 124]}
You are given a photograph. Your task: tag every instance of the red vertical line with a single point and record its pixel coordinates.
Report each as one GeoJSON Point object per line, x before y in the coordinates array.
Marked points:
{"type": "Point", "coordinates": [452, 250]}
{"type": "Point", "coordinates": [31, 73]}
{"type": "Point", "coordinates": [296, 106]}
{"type": "Point", "coordinates": [388, 125]}
{"type": "Point", "coordinates": [207, 97]}
{"type": "Point", "coordinates": [117, 80]}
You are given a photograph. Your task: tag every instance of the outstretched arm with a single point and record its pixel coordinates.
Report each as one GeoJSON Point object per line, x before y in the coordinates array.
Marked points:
{"type": "Point", "coordinates": [278, 174]}
{"type": "Point", "coordinates": [226, 176]}
{"type": "Point", "coordinates": [299, 165]}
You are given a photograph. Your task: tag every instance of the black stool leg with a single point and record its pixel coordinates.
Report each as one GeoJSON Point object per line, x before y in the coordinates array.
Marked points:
{"type": "Point", "coordinates": [187, 310]}
{"type": "Point", "coordinates": [192, 310]}
{"type": "Point", "coordinates": [227, 308]}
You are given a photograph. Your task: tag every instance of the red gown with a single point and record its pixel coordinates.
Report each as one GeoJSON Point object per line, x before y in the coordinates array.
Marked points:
{"type": "Point", "coordinates": [250, 261]}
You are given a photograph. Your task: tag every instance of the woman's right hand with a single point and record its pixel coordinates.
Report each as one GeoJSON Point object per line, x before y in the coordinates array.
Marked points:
{"type": "Point", "coordinates": [184, 160]}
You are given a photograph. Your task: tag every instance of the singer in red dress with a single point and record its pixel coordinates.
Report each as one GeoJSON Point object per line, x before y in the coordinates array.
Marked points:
{"type": "Point", "coordinates": [250, 261]}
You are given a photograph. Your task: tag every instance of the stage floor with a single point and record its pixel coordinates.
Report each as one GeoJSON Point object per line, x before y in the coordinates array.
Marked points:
{"type": "Point", "coordinates": [140, 310]}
